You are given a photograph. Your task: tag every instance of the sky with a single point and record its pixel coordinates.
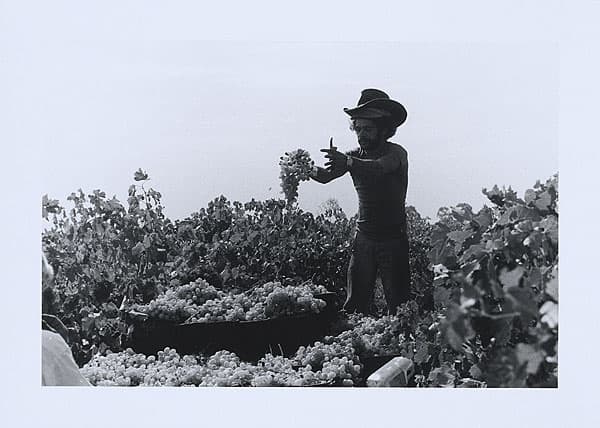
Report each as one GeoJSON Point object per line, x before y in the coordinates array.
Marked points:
{"type": "Point", "coordinates": [206, 118]}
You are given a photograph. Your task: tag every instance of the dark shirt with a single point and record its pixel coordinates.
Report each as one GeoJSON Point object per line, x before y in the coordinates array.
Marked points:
{"type": "Point", "coordinates": [382, 196]}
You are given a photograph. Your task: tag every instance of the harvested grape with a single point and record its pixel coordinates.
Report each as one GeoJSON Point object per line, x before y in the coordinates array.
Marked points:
{"type": "Point", "coordinates": [295, 167]}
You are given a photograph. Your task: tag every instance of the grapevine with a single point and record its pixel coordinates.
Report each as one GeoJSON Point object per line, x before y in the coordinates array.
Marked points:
{"type": "Point", "coordinates": [485, 288]}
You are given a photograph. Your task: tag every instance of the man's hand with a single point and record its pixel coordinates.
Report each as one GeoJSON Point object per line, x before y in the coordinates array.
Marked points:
{"type": "Point", "coordinates": [337, 160]}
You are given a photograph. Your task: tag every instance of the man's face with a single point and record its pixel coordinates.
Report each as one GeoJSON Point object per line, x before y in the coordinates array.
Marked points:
{"type": "Point", "coordinates": [367, 133]}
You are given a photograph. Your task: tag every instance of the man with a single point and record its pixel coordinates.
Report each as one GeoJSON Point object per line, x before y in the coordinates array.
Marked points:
{"type": "Point", "coordinates": [379, 170]}
{"type": "Point", "coordinates": [58, 366]}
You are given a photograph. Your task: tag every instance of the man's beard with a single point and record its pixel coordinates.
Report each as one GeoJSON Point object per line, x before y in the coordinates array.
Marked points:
{"type": "Point", "coordinates": [369, 144]}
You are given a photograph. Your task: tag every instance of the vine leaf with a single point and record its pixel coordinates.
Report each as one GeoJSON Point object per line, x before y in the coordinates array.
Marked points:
{"type": "Point", "coordinates": [552, 286]}
{"type": "Point", "coordinates": [422, 355]}
{"type": "Point", "coordinates": [457, 327]}
{"type": "Point", "coordinates": [460, 236]}
{"type": "Point", "coordinates": [550, 225]}
{"type": "Point", "coordinates": [140, 175]}
{"type": "Point", "coordinates": [137, 249]}
{"type": "Point", "coordinates": [530, 196]}
{"type": "Point", "coordinates": [443, 376]}
{"type": "Point", "coordinates": [475, 372]}
{"type": "Point", "coordinates": [441, 297]}
{"type": "Point", "coordinates": [511, 278]}
{"type": "Point", "coordinates": [528, 354]}
{"type": "Point", "coordinates": [543, 201]}
{"type": "Point", "coordinates": [549, 312]}
{"type": "Point", "coordinates": [521, 301]}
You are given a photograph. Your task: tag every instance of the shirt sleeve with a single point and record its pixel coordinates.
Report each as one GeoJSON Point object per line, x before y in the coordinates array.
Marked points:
{"type": "Point", "coordinates": [58, 366]}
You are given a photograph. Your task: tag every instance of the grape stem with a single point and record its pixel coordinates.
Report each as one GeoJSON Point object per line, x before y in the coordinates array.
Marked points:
{"type": "Point", "coordinates": [256, 284]}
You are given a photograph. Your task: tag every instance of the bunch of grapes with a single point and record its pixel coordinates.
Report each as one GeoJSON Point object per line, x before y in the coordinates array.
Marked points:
{"type": "Point", "coordinates": [295, 167]}
{"type": "Point", "coordinates": [331, 360]}
{"type": "Point", "coordinates": [281, 371]}
{"type": "Point", "coordinates": [197, 292]}
{"type": "Point", "coordinates": [269, 300]}
{"type": "Point", "coordinates": [230, 307]}
{"type": "Point", "coordinates": [370, 336]}
{"type": "Point", "coordinates": [291, 300]}
{"type": "Point", "coordinates": [275, 371]}
{"type": "Point", "coordinates": [256, 312]}
{"type": "Point", "coordinates": [341, 370]}
{"type": "Point", "coordinates": [309, 287]}
{"type": "Point", "coordinates": [179, 303]}
{"type": "Point", "coordinates": [130, 369]}
{"type": "Point", "coordinates": [224, 368]}
{"type": "Point", "coordinates": [167, 307]}
{"type": "Point", "coordinates": [168, 368]}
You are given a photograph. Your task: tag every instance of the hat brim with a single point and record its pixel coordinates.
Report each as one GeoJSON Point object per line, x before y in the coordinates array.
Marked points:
{"type": "Point", "coordinates": [379, 108]}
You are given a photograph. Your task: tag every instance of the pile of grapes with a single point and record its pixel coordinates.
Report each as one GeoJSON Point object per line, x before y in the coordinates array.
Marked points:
{"type": "Point", "coordinates": [270, 300]}
{"type": "Point", "coordinates": [179, 303]}
{"type": "Point", "coordinates": [223, 368]}
{"type": "Point", "coordinates": [335, 360]}
{"type": "Point", "coordinates": [200, 302]}
{"type": "Point", "coordinates": [289, 300]}
{"type": "Point", "coordinates": [281, 371]}
{"type": "Point", "coordinates": [130, 369]}
{"type": "Point", "coordinates": [295, 167]}
{"type": "Point", "coordinates": [369, 336]}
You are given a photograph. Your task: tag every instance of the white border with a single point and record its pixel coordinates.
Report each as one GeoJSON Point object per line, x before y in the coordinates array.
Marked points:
{"type": "Point", "coordinates": [24, 26]}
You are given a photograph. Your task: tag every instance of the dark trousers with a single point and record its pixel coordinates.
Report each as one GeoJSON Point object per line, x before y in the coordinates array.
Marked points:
{"type": "Point", "coordinates": [388, 257]}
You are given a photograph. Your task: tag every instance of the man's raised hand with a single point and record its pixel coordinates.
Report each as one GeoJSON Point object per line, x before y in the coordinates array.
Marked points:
{"type": "Point", "coordinates": [337, 160]}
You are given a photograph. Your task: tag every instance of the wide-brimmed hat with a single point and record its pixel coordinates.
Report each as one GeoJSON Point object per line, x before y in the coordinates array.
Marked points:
{"type": "Point", "coordinates": [374, 103]}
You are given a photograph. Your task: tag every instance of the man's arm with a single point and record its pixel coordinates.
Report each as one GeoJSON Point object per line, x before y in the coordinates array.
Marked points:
{"type": "Point", "coordinates": [374, 167]}
{"type": "Point", "coordinates": [383, 165]}
{"type": "Point", "coordinates": [323, 176]}
{"type": "Point", "coordinates": [56, 325]}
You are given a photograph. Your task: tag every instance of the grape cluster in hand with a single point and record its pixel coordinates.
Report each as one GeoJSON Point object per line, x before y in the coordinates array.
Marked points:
{"type": "Point", "coordinates": [295, 167]}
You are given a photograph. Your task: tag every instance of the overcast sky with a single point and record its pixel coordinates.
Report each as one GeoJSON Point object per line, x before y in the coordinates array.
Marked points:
{"type": "Point", "coordinates": [209, 118]}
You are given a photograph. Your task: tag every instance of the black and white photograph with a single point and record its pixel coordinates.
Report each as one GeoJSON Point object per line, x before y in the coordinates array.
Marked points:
{"type": "Point", "coordinates": [330, 216]}
{"type": "Point", "coordinates": [303, 214]}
